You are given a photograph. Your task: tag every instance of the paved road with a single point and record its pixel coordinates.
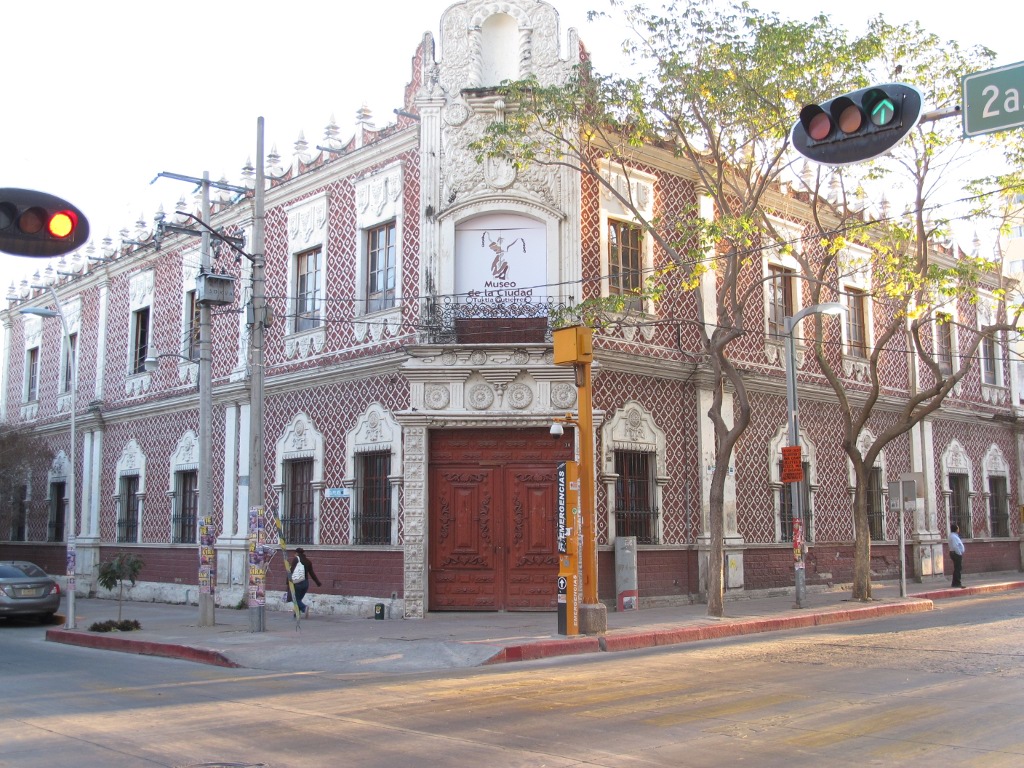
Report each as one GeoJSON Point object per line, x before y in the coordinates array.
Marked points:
{"type": "Point", "coordinates": [936, 688]}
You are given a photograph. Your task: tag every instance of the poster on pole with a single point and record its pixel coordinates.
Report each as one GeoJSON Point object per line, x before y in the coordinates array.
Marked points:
{"type": "Point", "coordinates": [262, 548]}
{"type": "Point", "coordinates": [207, 556]}
{"type": "Point", "coordinates": [792, 464]}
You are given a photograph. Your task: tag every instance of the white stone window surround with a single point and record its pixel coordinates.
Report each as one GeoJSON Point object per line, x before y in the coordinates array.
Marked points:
{"type": "Point", "coordinates": [955, 461]}
{"type": "Point", "coordinates": [307, 230]}
{"type": "Point", "coordinates": [949, 311]}
{"type": "Point", "coordinates": [637, 186]}
{"type": "Point", "coordinates": [792, 235]}
{"type": "Point", "coordinates": [375, 431]}
{"type": "Point", "coordinates": [864, 440]}
{"type": "Point", "coordinates": [33, 332]}
{"type": "Point", "coordinates": [184, 459]}
{"type": "Point", "coordinates": [300, 440]}
{"type": "Point", "coordinates": [140, 297]}
{"type": "Point", "coordinates": [991, 392]}
{"type": "Point", "coordinates": [379, 200]}
{"type": "Point", "coordinates": [995, 465]}
{"type": "Point", "coordinates": [131, 462]}
{"type": "Point", "coordinates": [855, 277]}
{"type": "Point", "coordinates": [808, 455]}
{"type": "Point", "coordinates": [188, 372]}
{"type": "Point", "coordinates": [633, 428]}
{"type": "Point", "coordinates": [72, 309]}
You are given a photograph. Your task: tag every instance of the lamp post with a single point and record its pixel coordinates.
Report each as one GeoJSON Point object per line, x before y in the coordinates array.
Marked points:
{"type": "Point", "coordinates": [792, 406]}
{"type": "Point", "coordinates": [69, 517]}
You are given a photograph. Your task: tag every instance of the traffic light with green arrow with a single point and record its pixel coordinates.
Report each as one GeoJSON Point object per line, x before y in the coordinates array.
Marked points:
{"type": "Point", "coordinates": [857, 126]}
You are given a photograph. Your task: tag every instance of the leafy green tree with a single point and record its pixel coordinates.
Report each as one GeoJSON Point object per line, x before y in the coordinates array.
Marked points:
{"type": "Point", "coordinates": [915, 279]}
{"type": "Point", "coordinates": [122, 567]}
{"type": "Point", "coordinates": [724, 83]}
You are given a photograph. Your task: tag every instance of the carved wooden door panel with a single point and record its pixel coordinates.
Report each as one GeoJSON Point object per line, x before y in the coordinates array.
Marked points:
{"type": "Point", "coordinates": [464, 554]}
{"type": "Point", "coordinates": [530, 548]}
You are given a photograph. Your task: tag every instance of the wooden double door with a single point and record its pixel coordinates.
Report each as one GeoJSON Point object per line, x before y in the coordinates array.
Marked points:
{"type": "Point", "coordinates": [493, 519]}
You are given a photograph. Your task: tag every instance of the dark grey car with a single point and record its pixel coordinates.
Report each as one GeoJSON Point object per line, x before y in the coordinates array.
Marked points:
{"type": "Point", "coordinates": [26, 590]}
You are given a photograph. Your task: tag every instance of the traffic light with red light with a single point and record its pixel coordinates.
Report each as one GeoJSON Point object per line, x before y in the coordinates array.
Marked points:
{"type": "Point", "coordinates": [857, 126]}
{"type": "Point", "coordinates": [39, 224]}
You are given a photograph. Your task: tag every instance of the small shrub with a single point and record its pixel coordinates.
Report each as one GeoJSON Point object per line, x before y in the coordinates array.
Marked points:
{"type": "Point", "coordinates": [110, 625]}
{"type": "Point", "coordinates": [122, 567]}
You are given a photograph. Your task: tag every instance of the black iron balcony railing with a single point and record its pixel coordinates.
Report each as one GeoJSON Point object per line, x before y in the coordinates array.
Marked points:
{"type": "Point", "coordinates": [466, 321]}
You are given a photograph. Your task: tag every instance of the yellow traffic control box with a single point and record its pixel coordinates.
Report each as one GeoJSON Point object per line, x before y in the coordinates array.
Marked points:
{"type": "Point", "coordinates": [573, 345]}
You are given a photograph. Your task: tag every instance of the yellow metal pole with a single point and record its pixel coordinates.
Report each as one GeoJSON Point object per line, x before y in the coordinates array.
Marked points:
{"type": "Point", "coordinates": [585, 424]}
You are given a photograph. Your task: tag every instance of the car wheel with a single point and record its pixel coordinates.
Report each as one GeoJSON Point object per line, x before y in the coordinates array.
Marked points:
{"type": "Point", "coordinates": [46, 618]}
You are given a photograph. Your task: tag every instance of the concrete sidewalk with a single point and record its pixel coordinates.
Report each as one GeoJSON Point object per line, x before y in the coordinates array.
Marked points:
{"type": "Point", "coordinates": [350, 645]}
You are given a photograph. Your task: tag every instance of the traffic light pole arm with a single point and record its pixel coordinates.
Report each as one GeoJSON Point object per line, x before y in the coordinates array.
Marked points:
{"type": "Point", "coordinates": [941, 114]}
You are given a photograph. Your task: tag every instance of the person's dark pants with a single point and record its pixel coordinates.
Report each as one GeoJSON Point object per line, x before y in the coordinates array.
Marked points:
{"type": "Point", "coordinates": [958, 561]}
{"type": "Point", "coordinates": [302, 587]}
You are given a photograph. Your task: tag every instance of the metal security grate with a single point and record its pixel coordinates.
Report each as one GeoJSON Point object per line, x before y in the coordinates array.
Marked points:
{"type": "Point", "coordinates": [635, 513]}
{"type": "Point", "coordinates": [372, 521]}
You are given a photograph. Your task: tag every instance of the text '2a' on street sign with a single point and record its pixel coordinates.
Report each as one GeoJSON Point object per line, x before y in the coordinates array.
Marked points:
{"type": "Point", "coordinates": [792, 464]}
{"type": "Point", "coordinates": [992, 100]}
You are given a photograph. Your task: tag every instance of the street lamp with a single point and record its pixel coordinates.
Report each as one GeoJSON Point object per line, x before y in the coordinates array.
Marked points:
{"type": "Point", "coordinates": [69, 518]}
{"type": "Point", "coordinates": [792, 405]}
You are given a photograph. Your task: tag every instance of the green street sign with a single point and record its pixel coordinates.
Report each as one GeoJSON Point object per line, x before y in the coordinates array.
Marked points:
{"type": "Point", "coordinates": [992, 99]}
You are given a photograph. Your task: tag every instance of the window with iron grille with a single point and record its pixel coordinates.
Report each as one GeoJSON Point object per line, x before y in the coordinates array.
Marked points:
{"type": "Point", "coordinates": [960, 504]}
{"type": "Point", "coordinates": [381, 255]}
{"type": "Point", "coordinates": [128, 509]}
{"type": "Point", "coordinates": [32, 375]}
{"type": "Point", "coordinates": [186, 505]}
{"type": "Point", "coordinates": [58, 507]}
{"type": "Point", "coordinates": [68, 368]}
{"type": "Point", "coordinates": [297, 518]}
{"type": "Point", "coordinates": [140, 340]}
{"type": "Point", "coordinates": [192, 310]}
{"type": "Point", "coordinates": [876, 505]}
{"type": "Point", "coordinates": [635, 513]}
{"type": "Point", "coordinates": [944, 342]}
{"type": "Point", "coordinates": [780, 299]}
{"type": "Point", "coordinates": [372, 521]}
{"type": "Point", "coordinates": [856, 323]}
{"type": "Point", "coordinates": [308, 277]}
{"type": "Point", "coordinates": [625, 261]}
{"type": "Point", "coordinates": [786, 505]}
{"type": "Point", "coordinates": [989, 360]}
{"type": "Point", "coordinates": [19, 522]}
{"type": "Point", "coordinates": [997, 507]}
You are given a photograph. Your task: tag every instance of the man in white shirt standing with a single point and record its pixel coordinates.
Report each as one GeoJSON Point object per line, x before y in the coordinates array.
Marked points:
{"type": "Point", "coordinates": [956, 552]}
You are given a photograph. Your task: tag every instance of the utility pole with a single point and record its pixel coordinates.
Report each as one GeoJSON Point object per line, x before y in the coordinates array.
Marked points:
{"type": "Point", "coordinates": [207, 565]}
{"type": "Point", "coordinates": [207, 592]}
{"type": "Point", "coordinates": [257, 613]}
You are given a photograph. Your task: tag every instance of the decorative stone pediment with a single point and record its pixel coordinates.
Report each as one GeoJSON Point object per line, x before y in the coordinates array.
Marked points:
{"type": "Point", "coordinates": [307, 224]}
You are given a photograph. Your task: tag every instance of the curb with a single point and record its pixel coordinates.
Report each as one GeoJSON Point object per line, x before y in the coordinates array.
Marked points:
{"type": "Point", "coordinates": [632, 641]}
{"type": "Point", "coordinates": [546, 649]}
{"type": "Point", "coordinates": [105, 642]}
{"type": "Point", "coordinates": [982, 589]}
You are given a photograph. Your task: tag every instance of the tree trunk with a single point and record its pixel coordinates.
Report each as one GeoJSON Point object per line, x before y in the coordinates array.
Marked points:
{"type": "Point", "coordinates": [861, 542]}
{"type": "Point", "coordinates": [716, 522]}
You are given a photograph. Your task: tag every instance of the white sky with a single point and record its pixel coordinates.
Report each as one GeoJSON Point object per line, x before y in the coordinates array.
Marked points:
{"type": "Point", "coordinates": [101, 96]}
